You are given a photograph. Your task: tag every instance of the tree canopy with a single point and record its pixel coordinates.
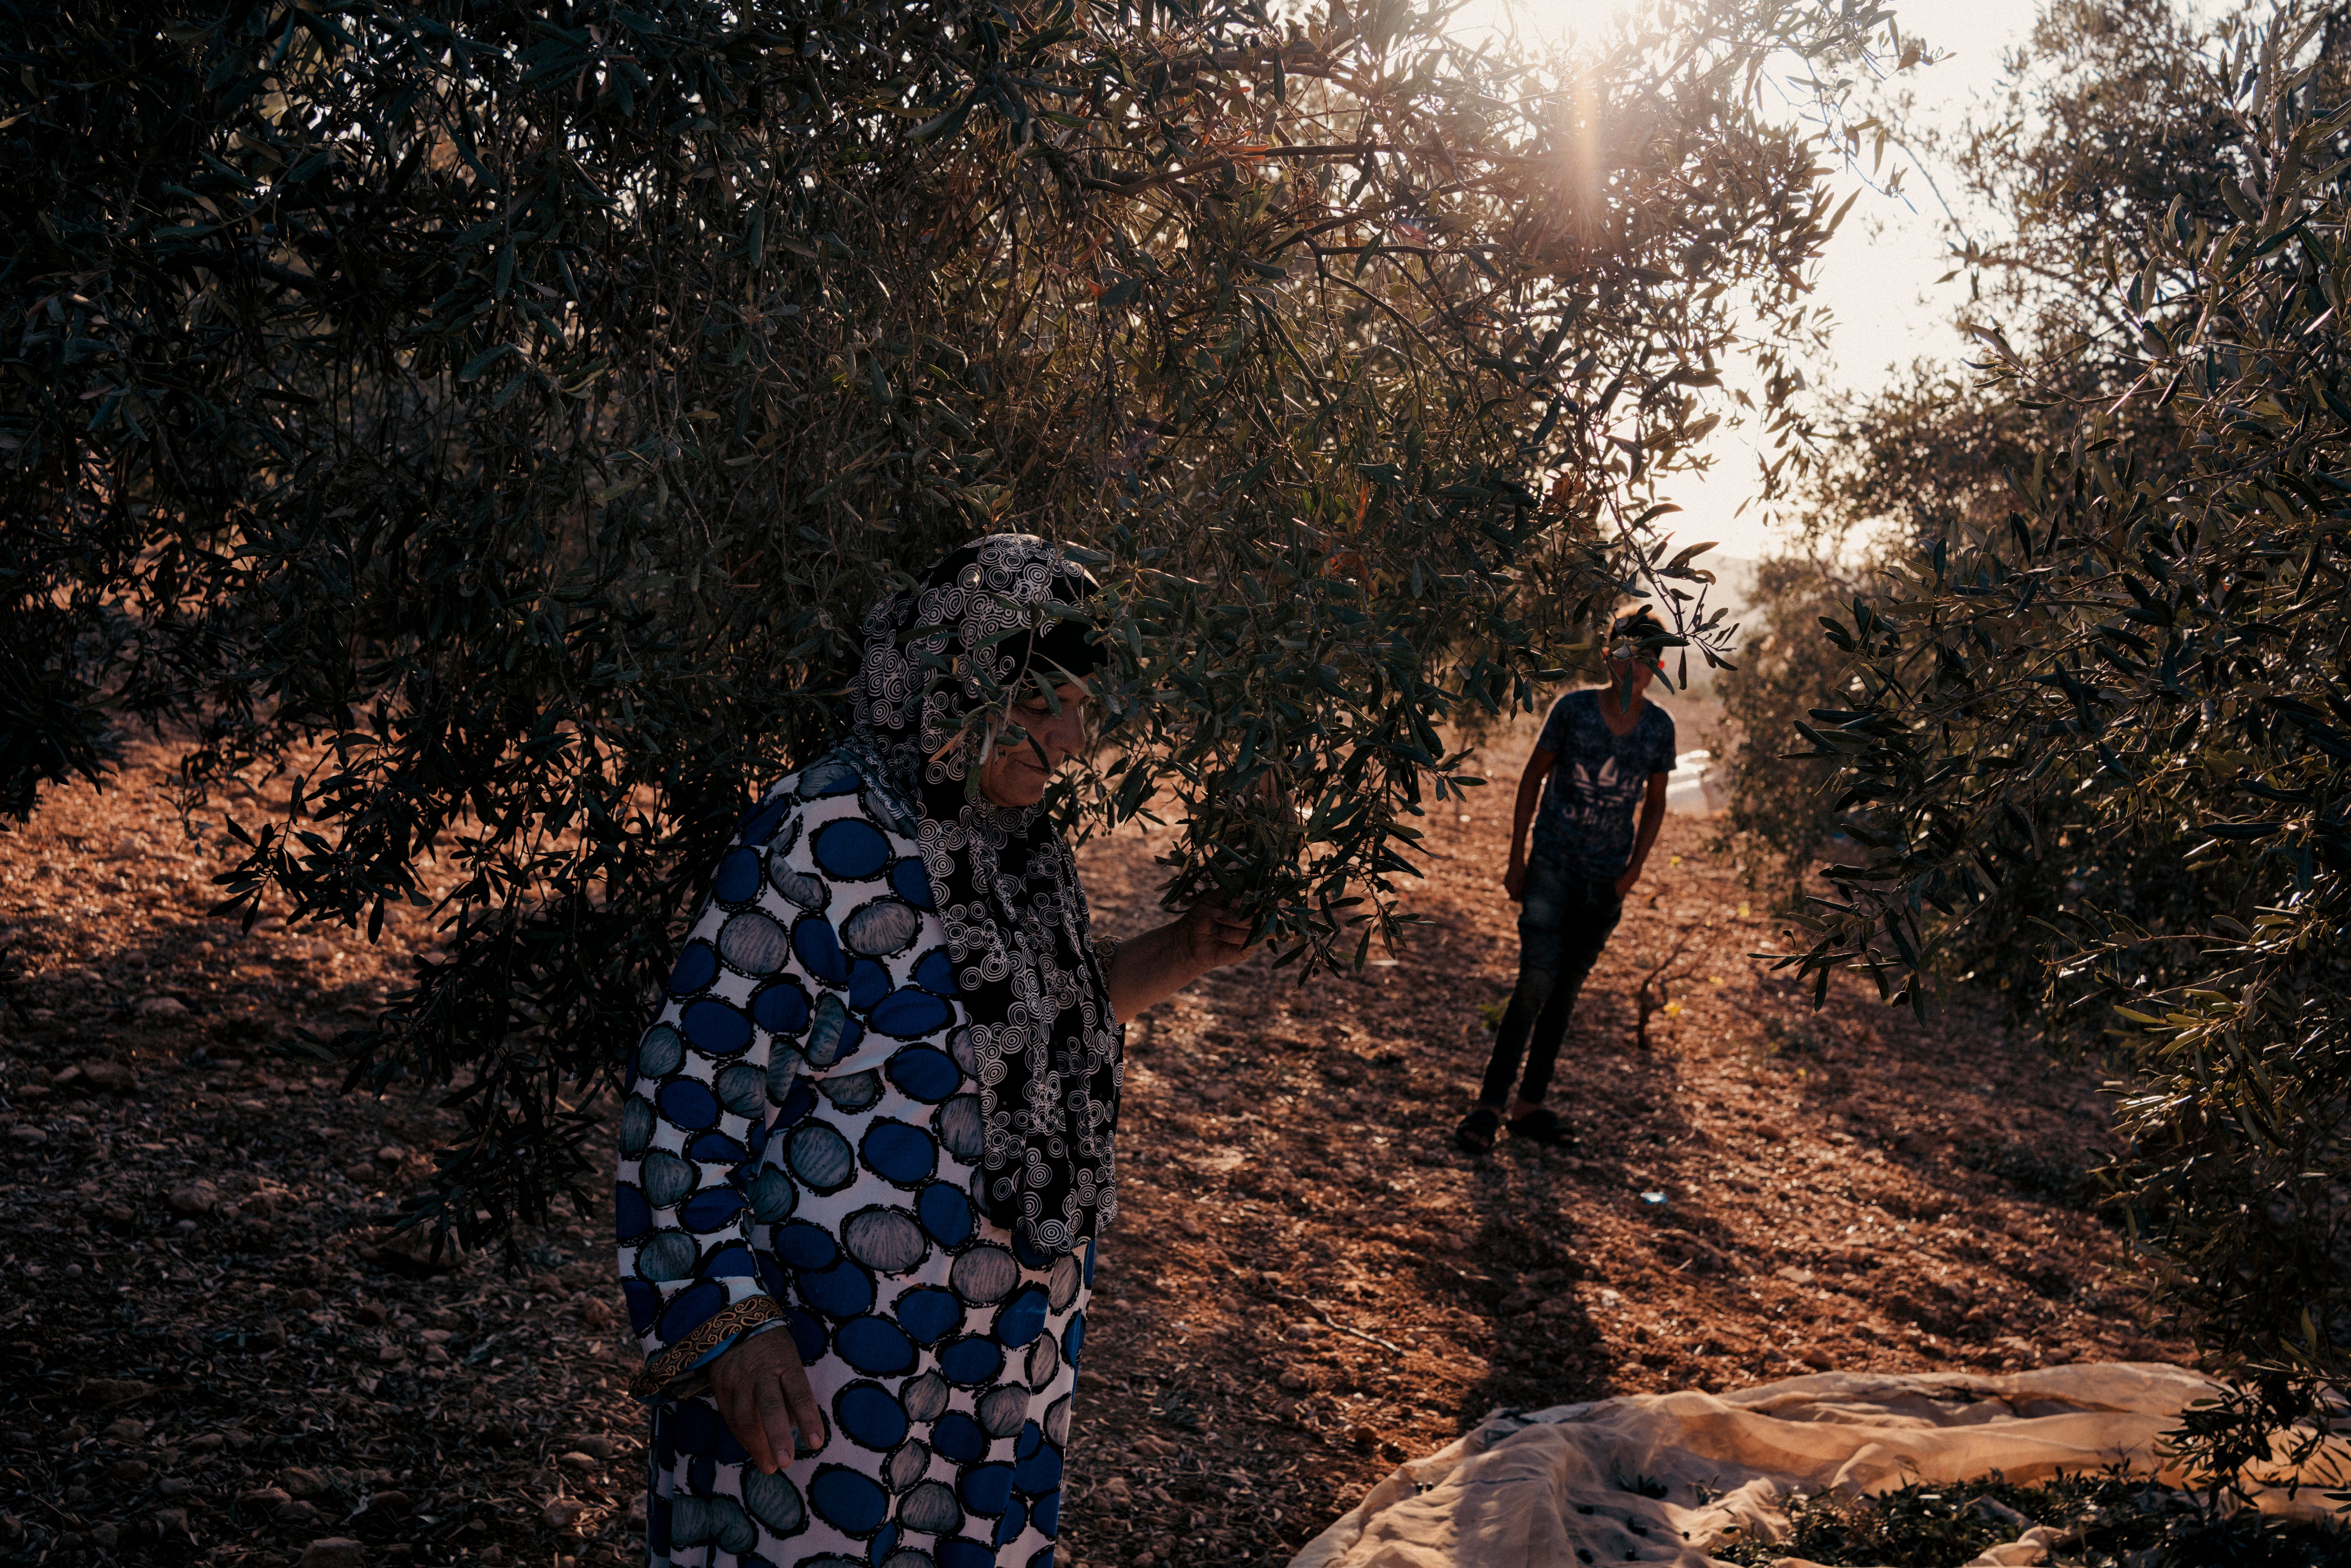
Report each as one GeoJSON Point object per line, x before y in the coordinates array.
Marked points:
{"type": "Point", "coordinates": [506, 414]}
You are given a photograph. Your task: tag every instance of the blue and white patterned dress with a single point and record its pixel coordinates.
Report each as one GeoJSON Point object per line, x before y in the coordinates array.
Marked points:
{"type": "Point", "coordinates": [801, 1144]}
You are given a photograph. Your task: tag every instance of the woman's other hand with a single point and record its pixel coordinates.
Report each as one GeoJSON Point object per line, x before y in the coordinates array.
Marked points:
{"type": "Point", "coordinates": [762, 1393]}
{"type": "Point", "coordinates": [1514, 882]}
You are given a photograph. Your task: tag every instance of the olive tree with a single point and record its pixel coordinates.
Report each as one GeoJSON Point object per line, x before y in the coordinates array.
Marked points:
{"type": "Point", "coordinates": [2139, 667]}
{"type": "Point", "coordinates": [506, 414]}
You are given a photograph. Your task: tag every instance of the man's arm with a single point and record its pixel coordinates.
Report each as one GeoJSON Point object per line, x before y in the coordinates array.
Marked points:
{"type": "Point", "coordinates": [1530, 788]}
{"type": "Point", "coordinates": [1653, 818]}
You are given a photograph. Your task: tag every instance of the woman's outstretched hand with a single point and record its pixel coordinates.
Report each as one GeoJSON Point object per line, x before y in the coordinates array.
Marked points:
{"type": "Point", "coordinates": [1212, 935]}
{"type": "Point", "coordinates": [762, 1393]}
{"type": "Point", "coordinates": [1158, 963]}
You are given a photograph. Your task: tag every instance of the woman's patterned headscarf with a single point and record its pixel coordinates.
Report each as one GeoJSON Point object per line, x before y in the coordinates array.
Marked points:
{"type": "Point", "coordinates": [1040, 1041]}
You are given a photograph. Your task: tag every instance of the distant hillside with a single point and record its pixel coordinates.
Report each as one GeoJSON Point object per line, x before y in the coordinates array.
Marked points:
{"type": "Point", "coordinates": [1734, 583]}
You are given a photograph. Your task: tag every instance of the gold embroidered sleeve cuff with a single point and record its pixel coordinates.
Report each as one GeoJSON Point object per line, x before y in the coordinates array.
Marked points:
{"type": "Point", "coordinates": [667, 1367]}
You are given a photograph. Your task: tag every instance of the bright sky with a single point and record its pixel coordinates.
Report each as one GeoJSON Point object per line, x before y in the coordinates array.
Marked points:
{"type": "Point", "coordinates": [1878, 275]}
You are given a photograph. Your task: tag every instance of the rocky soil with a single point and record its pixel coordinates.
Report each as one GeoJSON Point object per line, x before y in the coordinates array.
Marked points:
{"type": "Point", "coordinates": [210, 1354]}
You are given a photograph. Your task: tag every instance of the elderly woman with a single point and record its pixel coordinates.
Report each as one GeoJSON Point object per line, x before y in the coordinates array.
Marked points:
{"type": "Point", "coordinates": [867, 1147]}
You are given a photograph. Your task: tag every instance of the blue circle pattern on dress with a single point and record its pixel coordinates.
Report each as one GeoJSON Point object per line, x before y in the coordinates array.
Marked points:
{"type": "Point", "coordinates": [799, 1149]}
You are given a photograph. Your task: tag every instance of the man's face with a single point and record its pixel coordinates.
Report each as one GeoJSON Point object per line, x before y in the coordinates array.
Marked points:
{"type": "Point", "coordinates": [1631, 676]}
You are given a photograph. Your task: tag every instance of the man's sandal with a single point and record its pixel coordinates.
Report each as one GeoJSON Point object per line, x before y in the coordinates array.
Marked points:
{"type": "Point", "coordinates": [1542, 1126]}
{"type": "Point", "coordinates": [1476, 1133]}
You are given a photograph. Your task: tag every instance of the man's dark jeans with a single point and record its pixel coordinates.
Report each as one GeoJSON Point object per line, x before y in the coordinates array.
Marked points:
{"type": "Point", "coordinates": [1563, 923]}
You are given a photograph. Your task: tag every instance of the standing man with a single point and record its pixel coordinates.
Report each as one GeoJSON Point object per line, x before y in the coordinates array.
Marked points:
{"type": "Point", "coordinates": [1600, 753]}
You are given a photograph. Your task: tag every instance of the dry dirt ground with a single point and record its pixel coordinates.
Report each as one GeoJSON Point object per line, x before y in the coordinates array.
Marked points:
{"type": "Point", "coordinates": [209, 1357]}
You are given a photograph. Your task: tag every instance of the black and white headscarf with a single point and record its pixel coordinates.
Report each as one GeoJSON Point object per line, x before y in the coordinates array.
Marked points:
{"type": "Point", "coordinates": [1044, 1044]}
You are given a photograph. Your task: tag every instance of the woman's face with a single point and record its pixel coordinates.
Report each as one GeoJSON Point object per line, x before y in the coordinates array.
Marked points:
{"type": "Point", "coordinates": [1015, 774]}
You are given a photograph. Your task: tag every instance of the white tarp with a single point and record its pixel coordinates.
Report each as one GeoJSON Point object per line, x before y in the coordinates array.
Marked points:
{"type": "Point", "coordinates": [1696, 787]}
{"type": "Point", "coordinates": [1554, 1487]}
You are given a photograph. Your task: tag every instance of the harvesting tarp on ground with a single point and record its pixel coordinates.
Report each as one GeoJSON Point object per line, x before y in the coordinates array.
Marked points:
{"type": "Point", "coordinates": [1558, 1485]}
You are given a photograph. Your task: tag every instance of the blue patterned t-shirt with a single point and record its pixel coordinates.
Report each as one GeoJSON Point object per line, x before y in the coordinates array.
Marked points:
{"type": "Point", "coordinates": [1584, 826]}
